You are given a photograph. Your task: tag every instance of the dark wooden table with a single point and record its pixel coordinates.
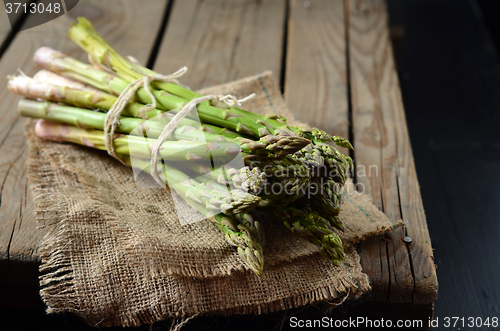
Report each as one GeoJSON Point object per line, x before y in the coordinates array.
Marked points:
{"type": "Point", "coordinates": [334, 61]}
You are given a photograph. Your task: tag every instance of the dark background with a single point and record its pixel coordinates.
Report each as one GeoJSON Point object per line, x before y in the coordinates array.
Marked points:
{"type": "Point", "coordinates": [447, 55]}
{"type": "Point", "coordinates": [450, 80]}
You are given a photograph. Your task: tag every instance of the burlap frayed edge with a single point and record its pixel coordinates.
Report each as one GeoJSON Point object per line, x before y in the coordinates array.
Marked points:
{"type": "Point", "coordinates": [60, 290]}
{"type": "Point", "coordinates": [333, 291]}
{"type": "Point", "coordinates": [57, 279]}
{"type": "Point", "coordinates": [57, 285]}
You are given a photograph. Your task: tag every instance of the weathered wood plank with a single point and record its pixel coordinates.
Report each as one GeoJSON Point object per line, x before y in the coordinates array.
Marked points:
{"type": "Point", "coordinates": [122, 23]}
{"type": "Point", "coordinates": [220, 40]}
{"type": "Point", "coordinates": [381, 139]}
{"type": "Point", "coordinates": [316, 75]}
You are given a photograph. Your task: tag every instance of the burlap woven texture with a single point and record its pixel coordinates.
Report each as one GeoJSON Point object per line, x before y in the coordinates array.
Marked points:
{"type": "Point", "coordinates": [117, 254]}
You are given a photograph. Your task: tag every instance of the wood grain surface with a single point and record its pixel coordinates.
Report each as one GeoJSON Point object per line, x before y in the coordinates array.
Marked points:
{"type": "Point", "coordinates": [381, 140]}
{"type": "Point", "coordinates": [222, 40]}
{"type": "Point", "coordinates": [316, 75]}
{"type": "Point", "coordinates": [122, 23]}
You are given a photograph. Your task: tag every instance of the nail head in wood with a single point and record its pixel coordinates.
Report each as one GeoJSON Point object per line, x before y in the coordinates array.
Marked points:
{"type": "Point", "coordinates": [407, 240]}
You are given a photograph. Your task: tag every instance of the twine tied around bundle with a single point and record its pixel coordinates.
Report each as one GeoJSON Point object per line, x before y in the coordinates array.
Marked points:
{"type": "Point", "coordinates": [230, 100]}
{"type": "Point", "coordinates": [113, 115]}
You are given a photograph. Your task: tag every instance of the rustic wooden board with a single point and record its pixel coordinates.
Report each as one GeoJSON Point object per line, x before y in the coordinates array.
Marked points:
{"type": "Point", "coordinates": [381, 139]}
{"type": "Point", "coordinates": [122, 23]}
{"type": "Point", "coordinates": [316, 75]}
{"type": "Point", "coordinates": [221, 40]}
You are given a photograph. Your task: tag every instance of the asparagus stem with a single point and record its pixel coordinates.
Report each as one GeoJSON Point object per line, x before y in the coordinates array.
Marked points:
{"type": "Point", "coordinates": [248, 123]}
{"type": "Point", "coordinates": [266, 146]}
{"type": "Point", "coordinates": [242, 231]}
{"type": "Point", "coordinates": [326, 199]}
{"type": "Point", "coordinates": [136, 146]}
{"type": "Point", "coordinates": [72, 95]}
{"type": "Point", "coordinates": [338, 165]}
{"type": "Point", "coordinates": [53, 60]}
{"type": "Point", "coordinates": [228, 202]}
{"type": "Point", "coordinates": [95, 120]}
{"type": "Point", "coordinates": [220, 131]}
{"type": "Point", "coordinates": [329, 197]}
{"type": "Point", "coordinates": [57, 62]}
{"type": "Point", "coordinates": [55, 79]}
{"type": "Point", "coordinates": [214, 199]}
{"type": "Point", "coordinates": [247, 235]}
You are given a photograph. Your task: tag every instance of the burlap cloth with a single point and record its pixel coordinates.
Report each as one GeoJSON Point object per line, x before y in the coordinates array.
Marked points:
{"type": "Point", "coordinates": [117, 254]}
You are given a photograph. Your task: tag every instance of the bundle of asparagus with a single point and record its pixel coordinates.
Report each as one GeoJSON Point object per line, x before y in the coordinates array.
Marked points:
{"type": "Point", "coordinates": [282, 163]}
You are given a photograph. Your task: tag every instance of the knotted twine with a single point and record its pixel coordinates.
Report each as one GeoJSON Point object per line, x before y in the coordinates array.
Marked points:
{"type": "Point", "coordinates": [113, 115]}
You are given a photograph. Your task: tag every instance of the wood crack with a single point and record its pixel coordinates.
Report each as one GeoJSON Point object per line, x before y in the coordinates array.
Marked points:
{"type": "Point", "coordinates": [388, 270]}
{"type": "Point", "coordinates": [24, 200]}
{"type": "Point", "coordinates": [10, 241]}
{"type": "Point", "coordinates": [14, 30]}
{"type": "Point", "coordinates": [284, 47]}
{"type": "Point", "coordinates": [349, 91]}
{"type": "Point", "coordinates": [159, 36]}
{"type": "Point", "coordinates": [7, 174]}
{"type": "Point", "coordinates": [382, 142]}
{"type": "Point", "coordinates": [9, 131]}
